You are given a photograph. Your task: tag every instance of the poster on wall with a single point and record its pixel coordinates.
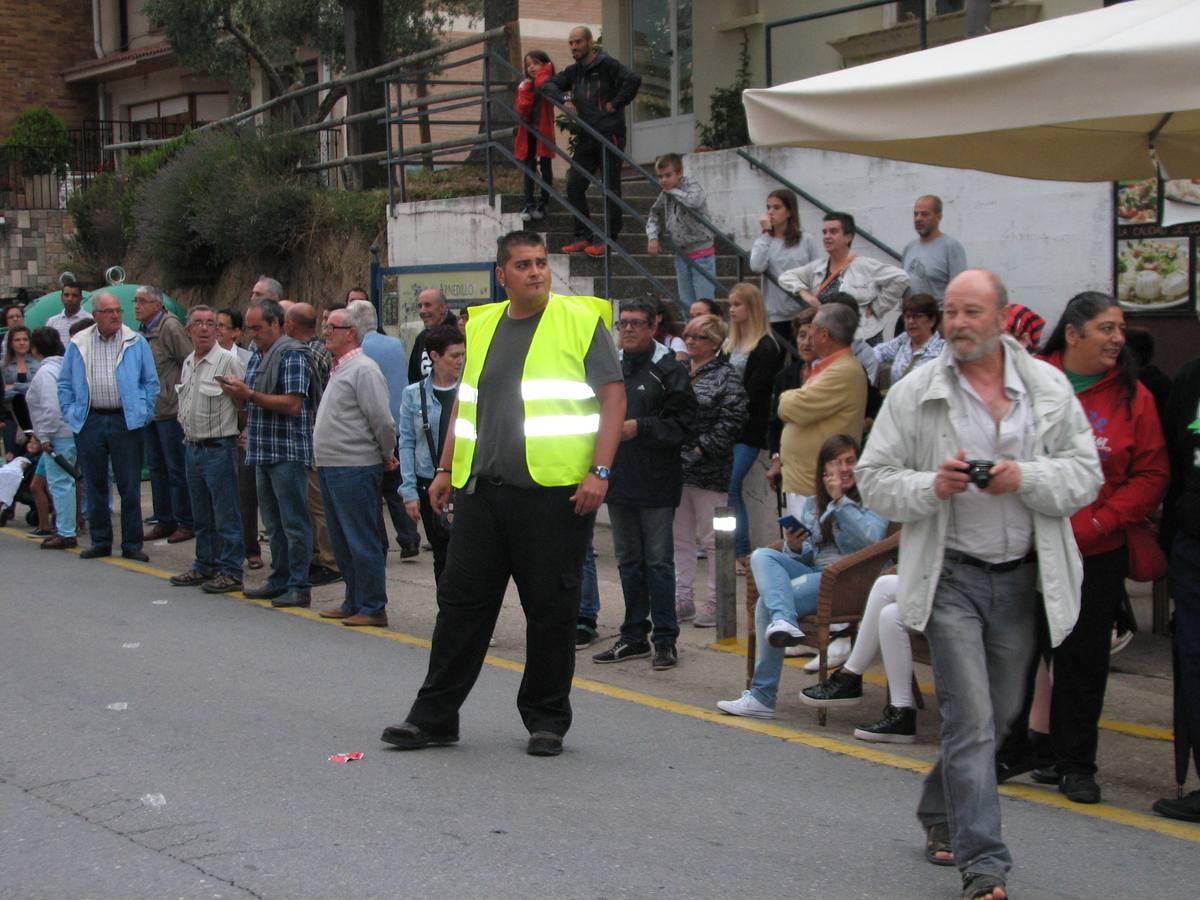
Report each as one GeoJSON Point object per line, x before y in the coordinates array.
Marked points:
{"type": "Point", "coordinates": [1157, 234]}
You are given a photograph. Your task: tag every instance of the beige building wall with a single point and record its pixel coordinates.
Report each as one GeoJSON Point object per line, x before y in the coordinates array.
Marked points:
{"type": "Point", "coordinates": [811, 48]}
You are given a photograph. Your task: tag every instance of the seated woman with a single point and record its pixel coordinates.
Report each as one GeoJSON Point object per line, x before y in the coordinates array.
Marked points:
{"type": "Point", "coordinates": [918, 344]}
{"type": "Point", "coordinates": [880, 629]}
{"type": "Point", "coordinates": [833, 524]}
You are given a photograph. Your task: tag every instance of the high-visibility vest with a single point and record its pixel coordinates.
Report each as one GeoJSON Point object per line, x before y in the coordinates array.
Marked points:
{"type": "Point", "coordinates": [562, 414]}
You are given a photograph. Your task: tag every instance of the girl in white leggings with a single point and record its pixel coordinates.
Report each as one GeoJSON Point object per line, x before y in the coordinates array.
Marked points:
{"type": "Point", "coordinates": [880, 629]}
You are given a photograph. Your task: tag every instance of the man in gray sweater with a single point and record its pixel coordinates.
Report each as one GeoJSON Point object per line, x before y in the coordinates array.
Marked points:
{"type": "Point", "coordinates": [354, 441]}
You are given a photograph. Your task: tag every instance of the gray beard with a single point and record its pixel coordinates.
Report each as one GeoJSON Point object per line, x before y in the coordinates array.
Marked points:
{"type": "Point", "coordinates": [982, 350]}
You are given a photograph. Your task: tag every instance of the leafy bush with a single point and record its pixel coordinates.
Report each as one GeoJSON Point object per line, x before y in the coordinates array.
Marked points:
{"type": "Point", "coordinates": [728, 127]}
{"type": "Point", "coordinates": [39, 143]}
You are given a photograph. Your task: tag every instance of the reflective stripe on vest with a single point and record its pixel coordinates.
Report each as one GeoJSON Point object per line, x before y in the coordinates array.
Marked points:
{"type": "Point", "coordinates": [562, 414]}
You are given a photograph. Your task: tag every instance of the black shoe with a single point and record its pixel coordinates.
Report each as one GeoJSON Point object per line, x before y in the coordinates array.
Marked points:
{"type": "Point", "coordinates": [96, 551]}
{"type": "Point", "coordinates": [665, 657]}
{"type": "Point", "coordinates": [293, 598]}
{"type": "Point", "coordinates": [42, 533]}
{"type": "Point", "coordinates": [621, 651]}
{"type": "Point", "coordinates": [408, 736]}
{"type": "Point", "coordinates": [265, 592]}
{"type": "Point", "coordinates": [138, 555]}
{"type": "Point", "coordinates": [1080, 787]}
{"type": "Point", "coordinates": [319, 575]}
{"type": "Point", "coordinates": [408, 551]}
{"type": "Point", "coordinates": [585, 636]}
{"type": "Point", "coordinates": [842, 688]}
{"type": "Point", "coordinates": [1017, 757]}
{"type": "Point", "coordinates": [898, 726]}
{"type": "Point", "coordinates": [1186, 809]}
{"type": "Point", "coordinates": [1044, 775]}
{"type": "Point", "coordinates": [544, 743]}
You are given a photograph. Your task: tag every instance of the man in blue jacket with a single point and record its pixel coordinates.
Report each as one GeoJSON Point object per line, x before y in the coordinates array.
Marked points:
{"type": "Point", "coordinates": [107, 390]}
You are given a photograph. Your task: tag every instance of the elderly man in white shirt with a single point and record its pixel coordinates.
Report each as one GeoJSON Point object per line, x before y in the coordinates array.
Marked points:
{"type": "Point", "coordinates": [209, 420]}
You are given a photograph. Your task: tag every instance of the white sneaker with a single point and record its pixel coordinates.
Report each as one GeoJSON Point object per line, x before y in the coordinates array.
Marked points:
{"type": "Point", "coordinates": [800, 650]}
{"type": "Point", "coordinates": [782, 633]}
{"type": "Point", "coordinates": [839, 651]}
{"type": "Point", "coordinates": [1120, 641]}
{"type": "Point", "coordinates": [747, 706]}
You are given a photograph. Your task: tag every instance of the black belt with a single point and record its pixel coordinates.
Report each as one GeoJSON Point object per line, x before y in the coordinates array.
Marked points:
{"type": "Point", "coordinates": [101, 411]}
{"type": "Point", "coordinates": [213, 443]}
{"type": "Point", "coordinates": [968, 560]}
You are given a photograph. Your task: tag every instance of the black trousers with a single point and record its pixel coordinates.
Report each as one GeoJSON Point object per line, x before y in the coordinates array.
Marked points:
{"type": "Point", "coordinates": [591, 156]}
{"type": "Point", "coordinates": [1081, 664]}
{"type": "Point", "coordinates": [406, 529]}
{"type": "Point", "coordinates": [439, 537]}
{"type": "Point", "coordinates": [535, 538]}
{"type": "Point", "coordinates": [545, 168]}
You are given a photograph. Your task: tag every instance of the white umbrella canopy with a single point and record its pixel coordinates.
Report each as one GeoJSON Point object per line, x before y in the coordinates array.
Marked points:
{"type": "Point", "coordinates": [1089, 97]}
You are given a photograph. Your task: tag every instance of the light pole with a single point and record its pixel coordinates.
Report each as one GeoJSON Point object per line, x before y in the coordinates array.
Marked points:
{"type": "Point", "coordinates": [724, 524]}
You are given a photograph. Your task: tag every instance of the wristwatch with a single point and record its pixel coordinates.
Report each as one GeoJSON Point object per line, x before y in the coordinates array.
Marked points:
{"type": "Point", "coordinates": [601, 472]}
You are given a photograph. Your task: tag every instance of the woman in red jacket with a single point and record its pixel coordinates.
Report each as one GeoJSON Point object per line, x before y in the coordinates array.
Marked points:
{"type": "Point", "coordinates": [1088, 345]}
{"type": "Point", "coordinates": [539, 113]}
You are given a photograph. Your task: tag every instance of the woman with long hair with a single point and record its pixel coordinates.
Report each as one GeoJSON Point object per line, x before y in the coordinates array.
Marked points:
{"type": "Point", "coordinates": [782, 245]}
{"type": "Point", "coordinates": [707, 462]}
{"type": "Point", "coordinates": [19, 367]}
{"type": "Point", "coordinates": [833, 523]}
{"type": "Point", "coordinates": [1088, 345]}
{"type": "Point", "coordinates": [757, 355]}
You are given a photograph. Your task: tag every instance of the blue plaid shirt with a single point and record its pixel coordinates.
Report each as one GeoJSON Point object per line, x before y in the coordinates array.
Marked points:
{"type": "Point", "coordinates": [273, 437]}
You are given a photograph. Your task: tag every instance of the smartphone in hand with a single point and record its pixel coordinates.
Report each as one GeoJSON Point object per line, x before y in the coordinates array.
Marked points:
{"type": "Point", "coordinates": [792, 523]}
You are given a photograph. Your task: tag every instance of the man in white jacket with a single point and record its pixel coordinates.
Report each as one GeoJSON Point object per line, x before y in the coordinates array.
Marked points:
{"type": "Point", "coordinates": [978, 542]}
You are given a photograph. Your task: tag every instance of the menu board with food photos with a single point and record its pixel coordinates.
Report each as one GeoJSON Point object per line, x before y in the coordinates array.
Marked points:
{"type": "Point", "coordinates": [1157, 239]}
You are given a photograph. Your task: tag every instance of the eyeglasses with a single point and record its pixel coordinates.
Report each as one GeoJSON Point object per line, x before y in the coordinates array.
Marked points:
{"type": "Point", "coordinates": [633, 323]}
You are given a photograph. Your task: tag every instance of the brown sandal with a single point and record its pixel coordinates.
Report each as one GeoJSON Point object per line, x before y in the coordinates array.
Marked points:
{"type": "Point", "coordinates": [937, 840]}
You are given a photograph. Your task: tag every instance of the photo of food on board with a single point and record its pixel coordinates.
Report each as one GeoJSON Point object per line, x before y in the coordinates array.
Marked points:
{"type": "Point", "coordinates": [1154, 273]}
{"type": "Point", "coordinates": [1137, 201]}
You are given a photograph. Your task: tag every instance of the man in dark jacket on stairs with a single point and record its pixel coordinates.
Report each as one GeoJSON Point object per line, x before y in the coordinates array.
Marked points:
{"type": "Point", "coordinates": [600, 89]}
{"type": "Point", "coordinates": [646, 484]}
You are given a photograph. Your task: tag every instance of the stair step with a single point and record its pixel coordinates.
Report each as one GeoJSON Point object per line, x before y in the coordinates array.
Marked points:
{"type": "Point", "coordinates": [584, 265]}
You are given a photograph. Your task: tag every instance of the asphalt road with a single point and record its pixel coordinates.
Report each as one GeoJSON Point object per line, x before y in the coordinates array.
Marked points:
{"type": "Point", "coordinates": [156, 741]}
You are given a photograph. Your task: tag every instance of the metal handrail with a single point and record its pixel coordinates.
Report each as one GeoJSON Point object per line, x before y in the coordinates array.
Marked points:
{"type": "Point", "coordinates": [855, 7]}
{"type": "Point", "coordinates": [608, 146]}
{"type": "Point", "coordinates": [756, 163]}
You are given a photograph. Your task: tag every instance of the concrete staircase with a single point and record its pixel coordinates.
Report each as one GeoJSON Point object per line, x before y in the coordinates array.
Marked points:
{"type": "Point", "coordinates": [587, 274]}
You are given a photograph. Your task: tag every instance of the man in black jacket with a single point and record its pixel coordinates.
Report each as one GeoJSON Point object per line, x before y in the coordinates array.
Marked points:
{"type": "Point", "coordinates": [600, 89]}
{"type": "Point", "coordinates": [646, 484]}
{"type": "Point", "coordinates": [434, 311]}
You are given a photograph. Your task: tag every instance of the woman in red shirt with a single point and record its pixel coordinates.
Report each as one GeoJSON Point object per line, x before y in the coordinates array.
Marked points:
{"type": "Point", "coordinates": [539, 113]}
{"type": "Point", "coordinates": [1088, 345]}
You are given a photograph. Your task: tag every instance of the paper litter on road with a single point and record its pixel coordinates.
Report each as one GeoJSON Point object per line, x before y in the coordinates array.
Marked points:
{"type": "Point", "coordinates": [345, 757]}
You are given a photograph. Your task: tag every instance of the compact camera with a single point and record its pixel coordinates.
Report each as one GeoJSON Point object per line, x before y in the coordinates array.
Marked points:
{"type": "Point", "coordinates": [980, 472]}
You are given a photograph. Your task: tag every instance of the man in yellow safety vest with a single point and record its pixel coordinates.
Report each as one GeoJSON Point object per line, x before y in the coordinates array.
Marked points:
{"type": "Point", "coordinates": [536, 425]}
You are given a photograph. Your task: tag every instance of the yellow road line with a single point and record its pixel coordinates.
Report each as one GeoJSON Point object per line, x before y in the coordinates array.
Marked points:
{"type": "Point", "coordinates": [856, 750]}
{"type": "Point", "coordinates": [1133, 729]}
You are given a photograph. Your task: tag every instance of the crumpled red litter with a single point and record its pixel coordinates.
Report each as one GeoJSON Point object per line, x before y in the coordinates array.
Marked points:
{"type": "Point", "coordinates": [345, 757]}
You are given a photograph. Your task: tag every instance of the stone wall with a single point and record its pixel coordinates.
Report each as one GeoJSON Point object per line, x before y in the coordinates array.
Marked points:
{"type": "Point", "coordinates": [33, 249]}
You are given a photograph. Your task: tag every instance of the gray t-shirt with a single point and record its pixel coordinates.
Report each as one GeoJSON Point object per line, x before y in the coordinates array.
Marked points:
{"type": "Point", "coordinates": [500, 447]}
{"type": "Point", "coordinates": [931, 265]}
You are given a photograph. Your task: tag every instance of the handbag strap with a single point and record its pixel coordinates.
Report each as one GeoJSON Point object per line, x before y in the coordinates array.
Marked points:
{"type": "Point", "coordinates": [433, 454]}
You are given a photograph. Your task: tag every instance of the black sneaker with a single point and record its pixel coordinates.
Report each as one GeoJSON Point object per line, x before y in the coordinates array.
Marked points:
{"type": "Point", "coordinates": [665, 657]}
{"type": "Point", "coordinates": [585, 636]}
{"type": "Point", "coordinates": [1080, 787]}
{"type": "Point", "coordinates": [842, 688]}
{"type": "Point", "coordinates": [319, 575]}
{"type": "Point", "coordinates": [623, 650]}
{"type": "Point", "coordinates": [410, 551]}
{"type": "Point", "coordinates": [898, 726]}
{"type": "Point", "coordinates": [1045, 775]}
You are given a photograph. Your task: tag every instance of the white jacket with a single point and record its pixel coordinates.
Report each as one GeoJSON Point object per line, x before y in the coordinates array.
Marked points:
{"type": "Point", "coordinates": [876, 286]}
{"type": "Point", "coordinates": [914, 433]}
{"type": "Point", "coordinates": [45, 416]}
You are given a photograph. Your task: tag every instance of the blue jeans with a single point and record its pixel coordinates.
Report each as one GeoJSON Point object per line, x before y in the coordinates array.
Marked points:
{"type": "Point", "coordinates": [589, 595]}
{"type": "Point", "coordinates": [352, 512]}
{"type": "Point", "coordinates": [787, 589]}
{"type": "Point", "coordinates": [283, 505]}
{"type": "Point", "coordinates": [62, 486]}
{"type": "Point", "coordinates": [103, 441]}
{"type": "Point", "coordinates": [982, 635]}
{"type": "Point", "coordinates": [693, 285]}
{"type": "Point", "coordinates": [743, 458]}
{"type": "Point", "coordinates": [168, 475]}
{"type": "Point", "coordinates": [645, 548]}
{"type": "Point", "coordinates": [212, 481]}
